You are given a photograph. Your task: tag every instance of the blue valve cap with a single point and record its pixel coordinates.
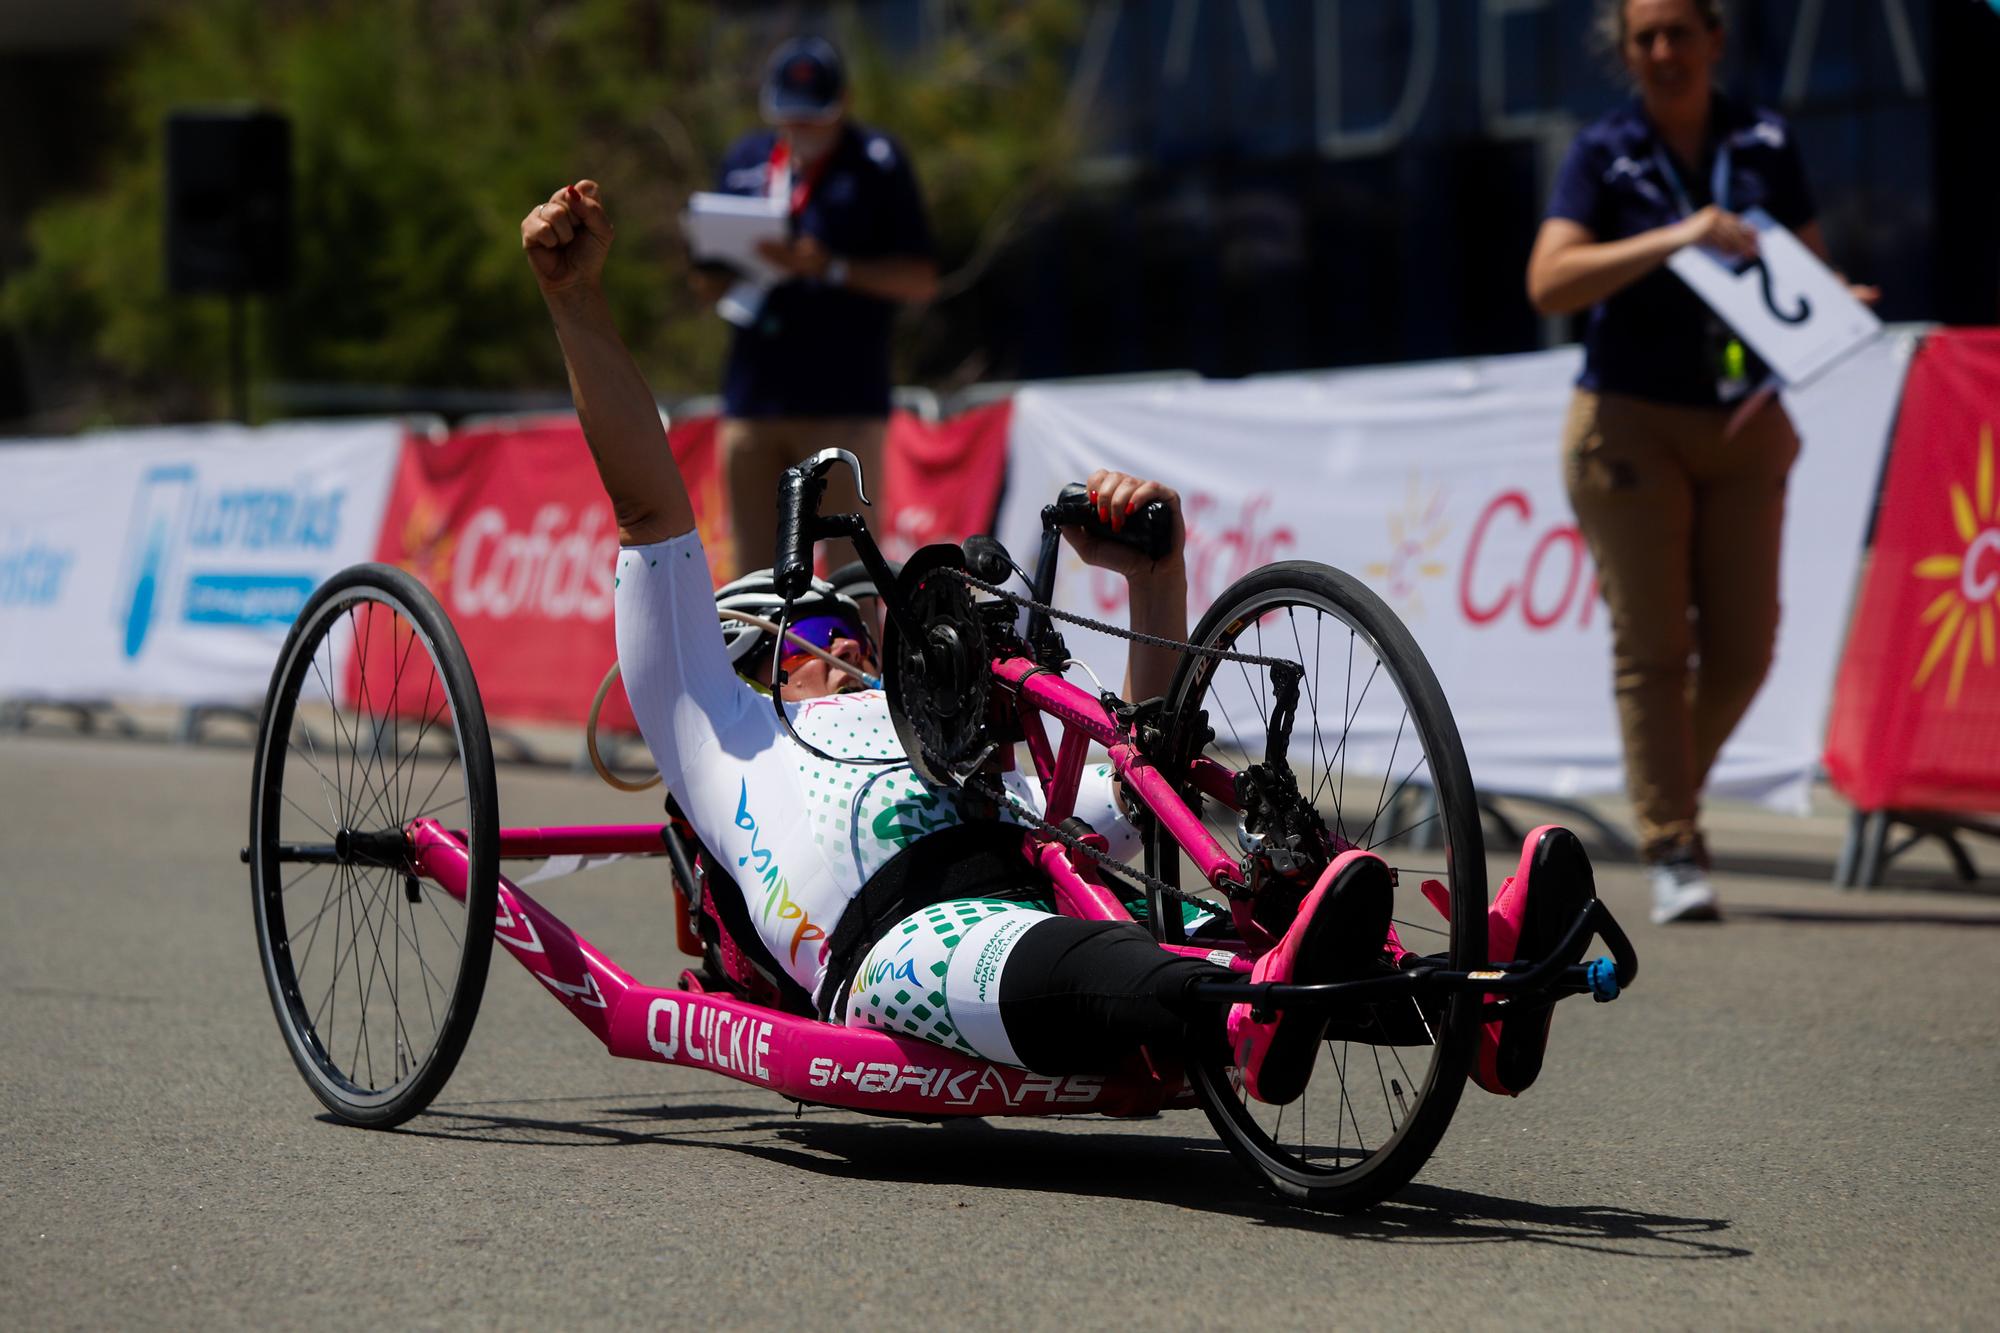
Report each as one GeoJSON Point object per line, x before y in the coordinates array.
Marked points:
{"type": "Point", "coordinates": [1603, 977]}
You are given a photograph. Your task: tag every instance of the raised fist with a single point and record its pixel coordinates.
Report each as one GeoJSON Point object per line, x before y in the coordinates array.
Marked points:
{"type": "Point", "coordinates": [568, 237]}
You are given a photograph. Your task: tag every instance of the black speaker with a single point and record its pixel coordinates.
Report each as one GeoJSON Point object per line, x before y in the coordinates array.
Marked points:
{"type": "Point", "coordinates": [229, 201]}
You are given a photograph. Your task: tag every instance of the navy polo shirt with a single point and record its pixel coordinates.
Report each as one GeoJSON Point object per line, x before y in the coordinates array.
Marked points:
{"type": "Point", "coordinates": [1651, 340]}
{"type": "Point", "coordinates": [817, 350]}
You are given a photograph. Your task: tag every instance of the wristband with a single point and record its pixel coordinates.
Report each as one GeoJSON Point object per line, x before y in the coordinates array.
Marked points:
{"type": "Point", "coordinates": [836, 272]}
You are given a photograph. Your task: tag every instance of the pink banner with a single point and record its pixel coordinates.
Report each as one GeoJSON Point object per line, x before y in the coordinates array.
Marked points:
{"type": "Point", "coordinates": [509, 527]}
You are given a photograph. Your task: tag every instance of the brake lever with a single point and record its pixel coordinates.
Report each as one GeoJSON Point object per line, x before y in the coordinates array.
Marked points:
{"type": "Point", "coordinates": [822, 463]}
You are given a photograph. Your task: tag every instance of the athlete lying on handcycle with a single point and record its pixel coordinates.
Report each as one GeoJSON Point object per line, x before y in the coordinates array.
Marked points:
{"type": "Point", "coordinates": [898, 905]}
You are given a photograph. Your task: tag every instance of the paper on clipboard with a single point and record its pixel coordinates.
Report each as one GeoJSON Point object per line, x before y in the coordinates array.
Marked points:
{"type": "Point", "coordinates": [727, 228]}
{"type": "Point", "coordinates": [1794, 312]}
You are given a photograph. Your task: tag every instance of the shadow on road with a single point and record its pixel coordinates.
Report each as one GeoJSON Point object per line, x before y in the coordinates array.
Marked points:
{"type": "Point", "coordinates": [1145, 1166]}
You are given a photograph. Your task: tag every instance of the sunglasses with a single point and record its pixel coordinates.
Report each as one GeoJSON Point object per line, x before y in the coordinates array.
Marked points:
{"type": "Point", "coordinates": [820, 632]}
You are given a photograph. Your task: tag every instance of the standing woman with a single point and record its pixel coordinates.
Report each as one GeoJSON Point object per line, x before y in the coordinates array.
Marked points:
{"type": "Point", "coordinates": [1674, 456]}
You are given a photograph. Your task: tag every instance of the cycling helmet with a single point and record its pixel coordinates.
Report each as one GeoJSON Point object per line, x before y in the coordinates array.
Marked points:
{"type": "Point", "coordinates": [853, 579]}
{"type": "Point", "coordinates": [755, 594]}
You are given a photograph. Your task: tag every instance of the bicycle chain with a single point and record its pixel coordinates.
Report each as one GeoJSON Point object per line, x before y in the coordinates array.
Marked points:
{"type": "Point", "coordinates": [1118, 632]}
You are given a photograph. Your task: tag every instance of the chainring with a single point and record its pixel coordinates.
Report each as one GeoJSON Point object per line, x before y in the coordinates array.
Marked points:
{"type": "Point", "coordinates": [936, 678]}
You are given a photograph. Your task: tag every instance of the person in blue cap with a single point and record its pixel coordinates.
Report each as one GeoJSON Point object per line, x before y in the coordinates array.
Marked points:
{"type": "Point", "coordinates": [808, 364]}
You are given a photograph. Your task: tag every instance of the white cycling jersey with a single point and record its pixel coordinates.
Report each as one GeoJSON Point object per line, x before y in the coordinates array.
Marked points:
{"type": "Point", "coordinates": [800, 835]}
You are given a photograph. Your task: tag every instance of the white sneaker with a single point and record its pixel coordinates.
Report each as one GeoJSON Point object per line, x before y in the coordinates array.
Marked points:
{"type": "Point", "coordinates": [1681, 892]}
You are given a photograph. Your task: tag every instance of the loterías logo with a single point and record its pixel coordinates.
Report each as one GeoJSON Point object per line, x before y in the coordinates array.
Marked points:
{"type": "Point", "coordinates": [1963, 612]}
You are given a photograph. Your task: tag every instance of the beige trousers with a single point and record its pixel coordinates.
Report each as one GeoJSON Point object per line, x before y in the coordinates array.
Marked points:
{"type": "Point", "coordinates": [1685, 527]}
{"type": "Point", "coordinates": [755, 451]}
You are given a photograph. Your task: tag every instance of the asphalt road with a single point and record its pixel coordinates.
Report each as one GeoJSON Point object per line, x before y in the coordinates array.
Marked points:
{"type": "Point", "coordinates": [1791, 1120]}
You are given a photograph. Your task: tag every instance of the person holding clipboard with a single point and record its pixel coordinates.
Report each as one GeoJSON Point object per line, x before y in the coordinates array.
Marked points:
{"type": "Point", "coordinates": [1676, 450]}
{"type": "Point", "coordinates": [808, 365]}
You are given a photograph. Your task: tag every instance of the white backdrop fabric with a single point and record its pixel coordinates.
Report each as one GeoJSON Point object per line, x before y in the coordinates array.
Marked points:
{"type": "Point", "coordinates": [1440, 486]}
{"type": "Point", "coordinates": [169, 563]}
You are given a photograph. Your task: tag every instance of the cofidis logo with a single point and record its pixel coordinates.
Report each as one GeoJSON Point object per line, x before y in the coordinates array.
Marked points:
{"type": "Point", "coordinates": [223, 556]}
{"type": "Point", "coordinates": [1964, 612]}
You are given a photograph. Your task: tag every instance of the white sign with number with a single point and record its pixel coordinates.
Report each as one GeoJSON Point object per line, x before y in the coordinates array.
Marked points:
{"type": "Point", "coordinates": [1791, 309]}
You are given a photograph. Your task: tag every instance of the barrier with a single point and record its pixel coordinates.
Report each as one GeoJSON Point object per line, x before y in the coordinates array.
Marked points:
{"type": "Point", "coordinates": [1914, 737]}
{"type": "Point", "coordinates": [1437, 483]}
{"type": "Point", "coordinates": [944, 478]}
{"type": "Point", "coordinates": [169, 563]}
{"type": "Point", "coordinates": [1440, 485]}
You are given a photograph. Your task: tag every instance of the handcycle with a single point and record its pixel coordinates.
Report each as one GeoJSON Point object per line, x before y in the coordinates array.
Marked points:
{"type": "Point", "coordinates": [375, 852]}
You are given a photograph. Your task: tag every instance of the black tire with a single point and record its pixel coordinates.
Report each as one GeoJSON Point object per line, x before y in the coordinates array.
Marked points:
{"type": "Point", "coordinates": [335, 785]}
{"type": "Point", "coordinates": [1352, 641]}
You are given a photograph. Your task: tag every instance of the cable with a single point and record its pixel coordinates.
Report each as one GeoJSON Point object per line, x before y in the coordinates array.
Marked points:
{"type": "Point", "coordinates": [590, 741]}
{"type": "Point", "coordinates": [1079, 662]}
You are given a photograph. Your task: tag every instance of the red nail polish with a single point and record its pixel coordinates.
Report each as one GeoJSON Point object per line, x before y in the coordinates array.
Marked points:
{"type": "Point", "coordinates": [1131, 507]}
{"type": "Point", "coordinates": [1093, 496]}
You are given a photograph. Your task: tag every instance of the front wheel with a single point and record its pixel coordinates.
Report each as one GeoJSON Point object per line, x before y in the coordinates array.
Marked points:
{"type": "Point", "coordinates": [372, 721]}
{"type": "Point", "coordinates": [1374, 751]}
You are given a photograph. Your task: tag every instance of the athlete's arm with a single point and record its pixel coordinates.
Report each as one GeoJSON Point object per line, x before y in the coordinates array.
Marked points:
{"type": "Point", "coordinates": [1158, 588]}
{"type": "Point", "coordinates": [567, 240]}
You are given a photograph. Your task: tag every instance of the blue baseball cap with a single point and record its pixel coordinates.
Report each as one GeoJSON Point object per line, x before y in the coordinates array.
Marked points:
{"type": "Point", "coordinates": [804, 81]}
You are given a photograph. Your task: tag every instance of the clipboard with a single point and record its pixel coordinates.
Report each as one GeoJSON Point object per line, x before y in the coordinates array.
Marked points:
{"type": "Point", "coordinates": [727, 228]}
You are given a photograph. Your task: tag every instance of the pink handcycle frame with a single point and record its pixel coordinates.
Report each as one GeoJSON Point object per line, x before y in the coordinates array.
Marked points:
{"type": "Point", "coordinates": [813, 1061]}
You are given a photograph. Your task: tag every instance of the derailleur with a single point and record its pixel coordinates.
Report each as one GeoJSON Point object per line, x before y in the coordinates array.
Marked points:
{"type": "Point", "coordinates": [1279, 830]}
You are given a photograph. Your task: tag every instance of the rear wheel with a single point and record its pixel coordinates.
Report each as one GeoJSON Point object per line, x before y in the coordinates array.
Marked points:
{"type": "Point", "coordinates": [1373, 749]}
{"type": "Point", "coordinates": [372, 721]}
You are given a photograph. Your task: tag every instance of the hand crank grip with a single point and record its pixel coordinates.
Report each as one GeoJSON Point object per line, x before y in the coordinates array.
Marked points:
{"type": "Point", "coordinates": [1149, 530]}
{"type": "Point", "coordinates": [799, 492]}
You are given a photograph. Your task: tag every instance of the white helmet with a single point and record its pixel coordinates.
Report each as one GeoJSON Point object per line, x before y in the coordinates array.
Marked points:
{"type": "Point", "coordinates": [755, 594]}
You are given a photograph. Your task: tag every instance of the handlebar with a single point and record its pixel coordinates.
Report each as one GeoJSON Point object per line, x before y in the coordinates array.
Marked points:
{"type": "Point", "coordinates": [1149, 531]}
{"type": "Point", "coordinates": [799, 492]}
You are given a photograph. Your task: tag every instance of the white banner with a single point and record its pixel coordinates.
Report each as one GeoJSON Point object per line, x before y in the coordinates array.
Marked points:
{"type": "Point", "coordinates": [168, 563]}
{"type": "Point", "coordinates": [1440, 486]}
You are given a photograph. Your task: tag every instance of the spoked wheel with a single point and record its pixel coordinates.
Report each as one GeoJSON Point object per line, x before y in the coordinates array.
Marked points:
{"type": "Point", "coordinates": [372, 721]}
{"type": "Point", "coordinates": [1374, 751]}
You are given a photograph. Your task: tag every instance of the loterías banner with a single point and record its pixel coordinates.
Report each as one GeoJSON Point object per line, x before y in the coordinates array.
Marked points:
{"type": "Point", "coordinates": [1916, 713]}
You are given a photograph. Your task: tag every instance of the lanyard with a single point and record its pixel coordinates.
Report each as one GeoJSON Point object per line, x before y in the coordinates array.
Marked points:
{"type": "Point", "coordinates": [1718, 179]}
{"type": "Point", "coordinates": [1732, 380]}
{"type": "Point", "coordinates": [781, 184]}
